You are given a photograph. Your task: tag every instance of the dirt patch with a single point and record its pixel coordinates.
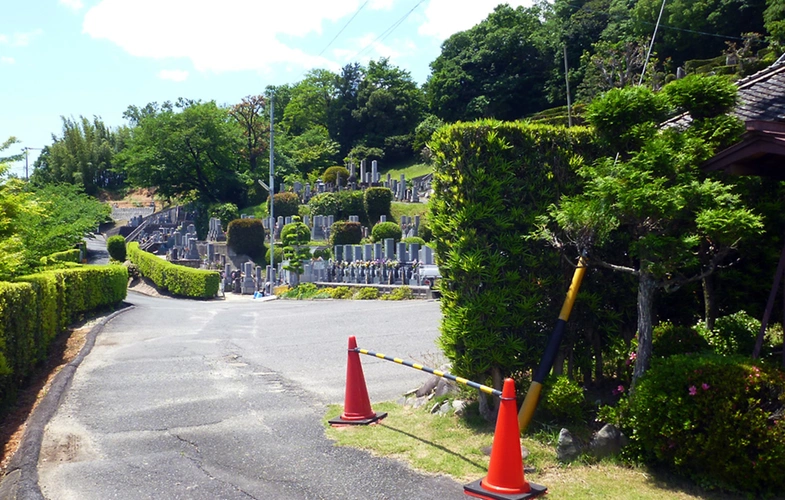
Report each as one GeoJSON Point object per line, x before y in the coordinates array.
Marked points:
{"type": "Point", "coordinates": [144, 286]}
{"type": "Point", "coordinates": [13, 423]}
{"type": "Point", "coordinates": [131, 199]}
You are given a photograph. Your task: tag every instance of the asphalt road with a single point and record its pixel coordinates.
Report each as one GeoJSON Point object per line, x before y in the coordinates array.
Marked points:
{"type": "Point", "coordinates": [225, 400]}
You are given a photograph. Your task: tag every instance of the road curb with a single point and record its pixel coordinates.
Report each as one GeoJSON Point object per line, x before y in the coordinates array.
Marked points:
{"type": "Point", "coordinates": [21, 480]}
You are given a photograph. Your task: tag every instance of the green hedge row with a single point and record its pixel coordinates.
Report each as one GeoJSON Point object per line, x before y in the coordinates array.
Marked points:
{"type": "Point", "coordinates": [179, 280]}
{"type": "Point", "coordinates": [37, 307]}
{"type": "Point", "coordinates": [66, 256]}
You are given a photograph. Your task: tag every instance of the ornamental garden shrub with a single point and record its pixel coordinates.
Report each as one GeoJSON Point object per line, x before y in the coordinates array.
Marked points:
{"type": "Point", "coordinates": [346, 233]}
{"type": "Point", "coordinates": [499, 287]}
{"type": "Point", "coordinates": [340, 292]}
{"type": "Point", "coordinates": [414, 239]}
{"type": "Point", "coordinates": [351, 203]}
{"type": "Point", "coordinates": [384, 230]}
{"type": "Point", "coordinates": [563, 400]}
{"type": "Point", "coordinates": [324, 204]}
{"type": "Point", "coordinates": [246, 237]}
{"type": "Point", "coordinates": [400, 293]}
{"type": "Point", "coordinates": [278, 255]}
{"type": "Point", "coordinates": [115, 245]}
{"type": "Point", "coordinates": [330, 175]}
{"type": "Point", "coordinates": [286, 204]}
{"type": "Point", "coordinates": [732, 334]}
{"type": "Point", "coordinates": [669, 339]}
{"type": "Point", "coordinates": [377, 202]}
{"type": "Point", "coordinates": [179, 280]}
{"type": "Point", "coordinates": [366, 294]}
{"type": "Point", "coordinates": [703, 96]}
{"type": "Point", "coordinates": [716, 419]}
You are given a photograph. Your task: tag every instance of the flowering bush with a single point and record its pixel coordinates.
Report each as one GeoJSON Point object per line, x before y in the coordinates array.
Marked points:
{"type": "Point", "coordinates": [669, 339]}
{"type": "Point", "coordinates": [714, 418]}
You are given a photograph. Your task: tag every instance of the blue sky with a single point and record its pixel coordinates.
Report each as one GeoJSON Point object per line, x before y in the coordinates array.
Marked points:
{"type": "Point", "coordinates": [97, 57]}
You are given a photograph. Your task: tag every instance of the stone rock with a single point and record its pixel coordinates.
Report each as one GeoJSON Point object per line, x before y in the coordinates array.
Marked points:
{"type": "Point", "coordinates": [459, 407]}
{"type": "Point", "coordinates": [445, 388]}
{"type": "Point", "coordinates": [567, 450]}
{"type": "Point", "coordinates": [444, 409]}
{"type": "Point", "coordinates": [428, 386]}
{"type": "Point", "coordinates": [608, 441]}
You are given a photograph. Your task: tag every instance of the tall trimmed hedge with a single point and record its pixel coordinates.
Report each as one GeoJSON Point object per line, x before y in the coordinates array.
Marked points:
{"type": "Point", "coordinates": [501, 292]}
{"type": "Point", "coordinates": [179, 280]}
{"type": "Point", "coordinates": [346, 233]}
{"type": "Point", "coordinates": [384, 230]}
{"type": "Point", "coordinates": [246, 237]}
{"type": "Point", "coordinates": [286, 204]}
{"type": "Point", "coordinates": [37, 307]}
{"type": "Point", "coordinates": [115, 245]}
{"type": "Point", "coordinates": [65, 256]}
{"type": "Point", "coordinates": [330, 175]}
{"type": "Point", "coordinates": [377, 202]}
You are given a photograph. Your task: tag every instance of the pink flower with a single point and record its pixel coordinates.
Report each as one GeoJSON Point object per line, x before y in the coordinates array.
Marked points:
{"type": "Point", "coordinates": [618, 390]}
{"type": "Point", "coordinates": [705, 386]}
{"type": "Point", "coordinates": [693, 390]}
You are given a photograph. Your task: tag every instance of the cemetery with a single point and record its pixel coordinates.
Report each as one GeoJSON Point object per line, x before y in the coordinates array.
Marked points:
{"type": "Point", "coordinates": [172, 235]}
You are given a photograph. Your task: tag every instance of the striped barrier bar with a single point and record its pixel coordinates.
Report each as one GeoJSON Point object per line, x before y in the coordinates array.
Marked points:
{"type": "Point", "coordinates": [438, 373]}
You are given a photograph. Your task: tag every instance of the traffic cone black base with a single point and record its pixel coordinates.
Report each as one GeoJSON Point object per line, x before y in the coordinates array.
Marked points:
{"type": "Point", "coordinates": [365, 421]}
{"type": "Point", "coordinates": [475, 489]}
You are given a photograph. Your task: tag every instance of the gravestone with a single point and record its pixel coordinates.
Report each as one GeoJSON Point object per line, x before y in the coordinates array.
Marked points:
{"type": "Point", "coordinates": [402, 257]}
{"type": "Point", "coordinates": [382, 218]}
{"type": "Point", "coordinates": [358, 253]}
{"type": "Point", "coordinates": [389, 248]}
{"type": "Point", "coordinates": [374, 171]}
{"type": "Point", "coordinates": [414, 251]}
{"type": "Point", "coordinates": [338, 253]}
{"type": "Point", "coordinates": [210, 253]}
{"type": "Point", "coordinates": [287, 221]}
{"type": "Point", "coordinates": [348, 253]}
{"type": "Point", "coordinates": [362, 172]}
{"type": "Point", "coordinates": [426, 255]}
{"type": "Point", "coordinates": [307, 220]}
{"type": "Point", "coordinates": [377, 251]}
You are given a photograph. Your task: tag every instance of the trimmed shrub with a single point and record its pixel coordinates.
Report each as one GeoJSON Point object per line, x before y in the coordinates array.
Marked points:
{"type": "Point", "coordinates": [60, 257]}
{"type": "Point", "coordinates": [621, 115]}
{"type": "Point", "coordinates": [179, 280]}
{"type": "Point", "coordinates": [339, 292]}
{"type": "Point", "coordinates": [703, 96]}
{"type": "Point", "coordinates": [401, 293]}
{"type": "Point", "coordinates": [669, 339]}
{"type": "Point", "coordinates": [716, 419]}
{"type": "Point", "coordinates": [324, 204]}
{"type": "Point", "coordinates": [563, 400]}
{"type": "Point", "coordinates": [498, 286]}
{"type": "Point", "coordinates": [377, 202]}
{"type": "Point", "coordinates": [414, 239]}
{"type": "Point", "coordinates": [331, 174]}
{"type": "Point", "coordinates": [295, 233]}
{"type": "Point", "coordinates": [306, 291]}
{"type": "Point", "coordinates": [351, 203]}
{"type": "Point", "coordinates": [346, 233]}
{"type": "Point", "coordinates": [384, 230]}
{"type": "Point", "coordinates": [366, 294]}
{"type": "Point", "coordinates": [36, 308]}
{"type": "Point", "coordinates": [115, 245]}
{"type": "Point", "coordinates": [732, 334]}
{"type": "Point", "coordinates": [278, 255]}
{"type": "Point", "coordinates": [246, 237]}
{"type": "Point", "coordinates": [286, 204]}
{"type": "Point", "coordinates": [227, 212]}
{"type": "Point", "coordinates": [324, 253]}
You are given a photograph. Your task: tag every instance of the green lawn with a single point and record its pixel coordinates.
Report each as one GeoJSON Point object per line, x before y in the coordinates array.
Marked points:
{"type": "Point", "coordinates": [412, 171]}
{"type": "Point", "coordinates": [399, 208]}
{"type": "Point", "coordinates": [457, 447]}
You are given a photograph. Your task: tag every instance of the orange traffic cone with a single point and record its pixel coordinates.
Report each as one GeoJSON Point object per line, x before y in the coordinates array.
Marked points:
{"type": "Point", "coordinates": [356, 406]}
{"type": "Point", "coordinates": [505, 479]}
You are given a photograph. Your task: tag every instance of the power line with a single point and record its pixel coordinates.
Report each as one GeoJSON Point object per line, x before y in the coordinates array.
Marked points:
{"type": "Point", "coordinates": [388, 31]}
{"type": "Point", "coordinates": [344, 26]}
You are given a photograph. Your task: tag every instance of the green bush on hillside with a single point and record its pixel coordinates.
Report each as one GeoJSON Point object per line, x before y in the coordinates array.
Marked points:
{"type": "Point", "coordinates": [346, 233]}
{"type": "Point", "coordinates": [246, 237]}
{"type": "Point", "coordinates": [286, 204]}
{"type": "Point", "coordinates": [377, 202]}
{"type": "Point", "coordinates": [385, 230]}
{"type": "Point", "coordinates": [115, 245]}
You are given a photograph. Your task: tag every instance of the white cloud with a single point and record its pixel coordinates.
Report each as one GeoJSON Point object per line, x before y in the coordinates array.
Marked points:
{"type": "Point", "coordinates": [175, 75]}
{"type": "Point", "coordinates": [72, 4]}
{"type": "Point", "coordinates": [20, 39]}
{"type": "Point", "coordinates": [7, 60]}
{"type": "Point", "coordinates": [228, 36]}
{"type": "Point", "coordinates": [444, 18]}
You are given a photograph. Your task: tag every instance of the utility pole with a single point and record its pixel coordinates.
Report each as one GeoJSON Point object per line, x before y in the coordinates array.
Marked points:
{"type": "Point", "coordinates": [272, 188]}
{"type": "Point", "coordinates": [26, 149]}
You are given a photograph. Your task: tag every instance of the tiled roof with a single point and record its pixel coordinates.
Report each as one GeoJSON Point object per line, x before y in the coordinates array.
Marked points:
{"type": "Point", "coordinates": [761, 97]}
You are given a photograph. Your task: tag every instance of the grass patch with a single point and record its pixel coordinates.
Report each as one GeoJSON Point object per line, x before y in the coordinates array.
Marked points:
{"type": "Point", "coordinates": [258, 211]}
{"type": "Point", "coordinates": [454, 446]}
{"type": "Point", "coordinates": [399, 208]}
{"type": "Point", "coordinates": [409, 171]}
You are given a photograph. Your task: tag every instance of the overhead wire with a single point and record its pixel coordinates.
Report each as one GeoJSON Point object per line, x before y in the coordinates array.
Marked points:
{"type": "Point", "coordinates": [344, 27]}
{"type": "Point", "coordinates": [388, 31]}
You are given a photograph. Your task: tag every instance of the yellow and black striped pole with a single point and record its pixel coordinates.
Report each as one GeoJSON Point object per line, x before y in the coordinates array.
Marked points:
{"type": "Point", "coordinates": [533, 396]}
{"type": "Point", "coordinates": [438, 373]}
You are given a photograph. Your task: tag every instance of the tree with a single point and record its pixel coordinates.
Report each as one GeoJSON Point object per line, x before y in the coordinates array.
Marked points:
{"type": "Point", "coordinates": [685, 24]}
{"type": "Point", "coordinates": [678, 225]}
{"type": "Point", "coordinates": [310, 101]}
{"type": "Point", "coordinates": [295, 237]}
{"type": "Point", "coordinates": [189, 152]}
{"type": "Point", "coordinates": [84, 155]}
{"type": "Point", "coordinates": [495, 69]}
{"type": "Point", "coordinates": [389, 106]}
{"type": "Point", "coordinates": [249, 115]}
{"type": "Point", "coordinates": [341, 123]}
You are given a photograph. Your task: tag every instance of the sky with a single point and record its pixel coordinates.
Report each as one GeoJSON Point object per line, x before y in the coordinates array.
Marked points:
{"type": "Point", "coordinates": [71, 58]}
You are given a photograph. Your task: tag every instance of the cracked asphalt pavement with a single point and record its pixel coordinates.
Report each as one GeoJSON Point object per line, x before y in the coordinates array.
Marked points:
{"type": "Point", "coordinates": [225, 400]}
